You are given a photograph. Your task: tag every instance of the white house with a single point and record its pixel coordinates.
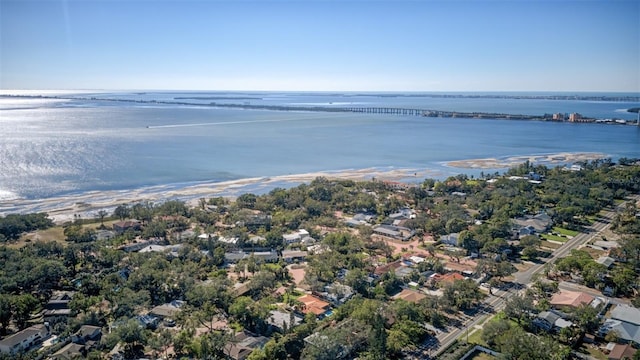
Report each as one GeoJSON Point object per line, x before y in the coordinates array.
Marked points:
{"type": "Point", "coordinates": [23, 340]}
{"type": "Point", "coordinates": [295, 237]}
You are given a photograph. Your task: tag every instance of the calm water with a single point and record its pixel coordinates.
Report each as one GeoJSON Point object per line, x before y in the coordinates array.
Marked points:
{"type": "Point", "coordinates": [51, 147]}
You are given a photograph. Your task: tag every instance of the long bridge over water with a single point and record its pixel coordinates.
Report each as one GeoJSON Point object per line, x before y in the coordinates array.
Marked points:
{"type": "Point", "coordinates": [364, 110]}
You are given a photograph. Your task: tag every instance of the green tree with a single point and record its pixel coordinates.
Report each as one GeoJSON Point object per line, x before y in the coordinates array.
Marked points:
{"type": "Point", "coordinates": [624, 279]}
{"type": "Point", "coordinates": [519, 307]}
{"type": "Point", "coordinates": [101, 214]}
{"type": "Point", "coordinates": [132, 334]}
{"type": "Point", "coordinates": [493, 329]}
{"type": "Point", "coordinates": [5, 312]}
{"type": "Point", "coordinates": [121, 212]}
{"type": "Point", "coordinates": [23, 306]}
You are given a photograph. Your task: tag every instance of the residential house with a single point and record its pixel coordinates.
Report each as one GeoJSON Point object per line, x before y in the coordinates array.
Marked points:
{"type": "Point", "coordinates": [259, 256]}
{"type": "Point", "coordinates": [171, 250]}
{"type": "Point", "coordinates": [606, 261]}
{"type": "Point", "coordinates": [256, 221]}
{"type": "Point", "coordinates": [137, 246]}
{"type": "Point", "coordinates": [367, 218]}
{"type": "Point", "coordinates": [57, 308]}
{"type": "Point", "coordinates": [23, 340]}
{"type": "Point", "coordinates": [291, 256]}
{"type": "Point", "coordinates": [313, 304]}
{"type": "Point", "coordinates": [411, 296]}
{"type": "Point", "coordinates": [625, 321]}
{"type": "Point", "coordinates": [416, 259]}
{"type": "Point", "coordinates": [82, 342]}
{"type": "Point", "coordinates": [167, 310]}
{"type": "Point", "coordinates": [395, 232]}
{"type": "Point", "coordinates": [352, 222]}
{"type": "Point", "coordinates": [402, 214]}
{"type": "Point", "coordinates": [281, 320]}
{"type": "Point", "coordinates": [337, 293]}
{"type": "Point", "coordinates": [605, 245]}
{"type": "Point", "coordinates": [442, 280]}
{"type": "Point", "coordinates": [71, 351]}
{"type": "Point", "coordinates": [570, 299]}
{"type": "Point", "coordinates": [404, 271]}
{"type": "Point", "coordinates": [87, 333]}
{"type": "Point", "coordinates": [243, 344]}
{"type": "Point", "coordinates": [104, 234]}
{"type": "Point", "coordinates": [551, 321]}
{"type": "Point", "coordinates": [148, 321]}
{"type": "Point", "coordinates": [530, 225]}
{"type": "Point", "coordinates": [295, 237]}
{"type": "Point", "coordinates": [392, 266]}
{"type": "Point", "coordinates": [450, 239]}
{"type": "Point", "coordinates": [620, 352]}
{"type": "Point", "coordinates": [121, 227]}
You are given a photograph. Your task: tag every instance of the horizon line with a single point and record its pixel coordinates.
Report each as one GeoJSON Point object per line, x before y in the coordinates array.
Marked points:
{"type": "Point", "coordinates": [327, 91]}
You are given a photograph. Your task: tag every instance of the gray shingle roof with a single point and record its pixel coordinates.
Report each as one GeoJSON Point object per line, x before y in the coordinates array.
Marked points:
{"type": "Point", "coordinates": [626, 313]}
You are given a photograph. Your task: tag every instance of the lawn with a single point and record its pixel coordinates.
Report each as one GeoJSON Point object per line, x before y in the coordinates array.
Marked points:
{"type": "Point", "coordinates": [554, 238]}
{"type": "Point", "coordinates": [565, 232]}
{"type": "Point", "coordinates": [476, 338]}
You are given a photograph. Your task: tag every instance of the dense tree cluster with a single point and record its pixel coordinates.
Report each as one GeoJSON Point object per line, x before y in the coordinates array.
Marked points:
{"type": "Point", "coordinates": [14, 225]}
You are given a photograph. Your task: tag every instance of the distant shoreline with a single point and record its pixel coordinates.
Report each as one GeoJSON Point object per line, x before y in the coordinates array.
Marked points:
{"type": "Point", "coordinates": [252, 95]}
{"type": "Point", "coordinates": [386, 110]}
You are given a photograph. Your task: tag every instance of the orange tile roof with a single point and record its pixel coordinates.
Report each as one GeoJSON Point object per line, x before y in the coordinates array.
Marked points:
{"type": "Point", "coordinates": [571, 298]}
{"type": "Point", "coordinates": [450, 277]}
{"type": "Point", "coordinates": [313, 304]}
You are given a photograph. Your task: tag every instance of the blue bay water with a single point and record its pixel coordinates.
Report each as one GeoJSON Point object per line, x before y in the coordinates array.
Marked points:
{"type": "Point", "coordinates": [52, 147]}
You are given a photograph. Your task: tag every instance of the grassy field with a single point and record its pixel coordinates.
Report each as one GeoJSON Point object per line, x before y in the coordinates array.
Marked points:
{"type": "Point", "coordinates": [476, 338]}
{"type": "Point", "coordinates": [565, 232]}
{"type": "Point", "coordinates": [554, 238]}
{"type": "Point", "coordinates": [55, 233]}
{"type": "Point", "coordinates": [52, 234]}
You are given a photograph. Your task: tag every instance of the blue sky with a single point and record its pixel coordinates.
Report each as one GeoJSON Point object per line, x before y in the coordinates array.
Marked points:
{"type": "Point", "coordinates": [327, 45]}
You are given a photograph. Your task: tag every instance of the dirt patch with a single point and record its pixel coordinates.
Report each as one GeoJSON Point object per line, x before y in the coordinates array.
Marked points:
{"type": "Point", "coordinates": [549, 245]}
{"type": "Point", "coordinates": [401, 247]}
{"type": "Point", "coordinates": [608, 235]}
{"type": "Point", "coordinates": [297, 273]}
{"type": "Point", "coordinates": [523, 266]}
{"type": "Point", "coordinates": [52, 234]}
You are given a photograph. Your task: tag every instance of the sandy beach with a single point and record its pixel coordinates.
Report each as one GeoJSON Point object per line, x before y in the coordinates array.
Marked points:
{"type": "Point", "coordinates": [86, 205]}
{"type": "Point", "coordinates": [547, 159]}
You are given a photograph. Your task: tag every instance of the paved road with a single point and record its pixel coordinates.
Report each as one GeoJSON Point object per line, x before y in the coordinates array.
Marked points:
{"type": "Point", "coordinates": [497, 301]}
{"type": "Point", "coordinates": [602, 223]}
